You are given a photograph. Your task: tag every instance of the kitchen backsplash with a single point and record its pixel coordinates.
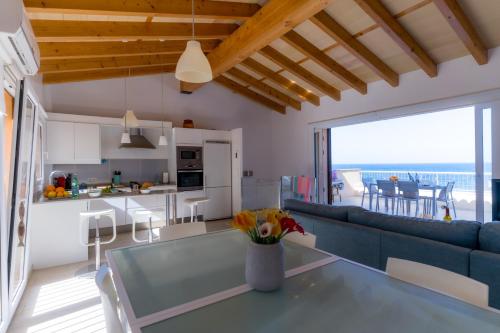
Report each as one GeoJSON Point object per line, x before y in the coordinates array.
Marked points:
{"type": "Point", "coordinates": [132, 170]}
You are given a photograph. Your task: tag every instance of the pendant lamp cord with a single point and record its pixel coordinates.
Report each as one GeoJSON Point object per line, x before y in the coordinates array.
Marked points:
{"type": "Point", "coordinates": [192, 14]}
{"type": "Point", "coordinates": [162, 101]}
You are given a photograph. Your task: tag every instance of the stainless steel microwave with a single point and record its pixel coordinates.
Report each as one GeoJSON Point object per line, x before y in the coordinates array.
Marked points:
{"type": "Point", "coordinates": [189, 158]}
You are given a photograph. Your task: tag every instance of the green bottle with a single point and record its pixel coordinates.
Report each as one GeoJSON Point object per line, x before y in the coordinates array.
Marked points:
{"type": "Point", "coordinates": [75, 187]}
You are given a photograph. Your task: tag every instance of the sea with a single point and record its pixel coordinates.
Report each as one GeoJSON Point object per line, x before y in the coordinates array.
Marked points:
{"type": "Point", "coordinates": [422, 167]}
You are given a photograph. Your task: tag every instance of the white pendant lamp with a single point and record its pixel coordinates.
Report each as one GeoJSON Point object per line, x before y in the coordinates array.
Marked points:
{"type": "Point", "coordinates": [193, 65]}
{"type": "Point", "coordinates": [129, 118]}
{"type": "Point", "coordinates": [162, 141]}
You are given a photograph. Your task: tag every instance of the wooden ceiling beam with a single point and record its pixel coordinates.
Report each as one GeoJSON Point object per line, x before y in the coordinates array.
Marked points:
{"type": "Point", "coordinates": [53, 78]}
{"type": "Point", "coordinates": [464, 29]}
{"type": "Point", "coordinates": [376, 10]}
{"type": "Point", "coordinates": [320, 58]}
{"type": "Point", "coordinates": [151, 8]}
{"type": "Point", "coordinates": [265, 88]}
{"type": "Point", "coordinates": [344, 38]}
{"type": "Point", "coordinates": [272, 21]}
{"type": "Point", "coordinates": [242, 90]}
{"type": "Point", "coordinates": [291, 86]}
{"type": "Point", "coordinates": [92, 31]}
{"type": "Point", "coordinates": [75, 65]}
{"type": "Point", "coordinates": [300, 72]}
{"type": "Point", "coordinates": [75, 50]}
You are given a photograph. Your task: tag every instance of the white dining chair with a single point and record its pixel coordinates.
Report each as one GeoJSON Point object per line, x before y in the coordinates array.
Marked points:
{"type": "Point", "coordinates": [109, 300]}
{"type": "Point", "coordinates": [183, 230]}
{"type": "Point", "coordinates": [439, 280]}
{"type": "Point", "coordinates": [307, 240]}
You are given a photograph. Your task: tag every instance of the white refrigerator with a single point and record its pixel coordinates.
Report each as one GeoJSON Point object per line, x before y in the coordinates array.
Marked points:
{"type": "Point", "coordinates": [217, 172]}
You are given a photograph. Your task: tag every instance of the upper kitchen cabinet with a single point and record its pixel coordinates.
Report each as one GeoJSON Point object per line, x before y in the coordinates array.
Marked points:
{"type": "Point", "coordinates": [196, 137]}
{"type": "Point", "coordinates": [73, 143]}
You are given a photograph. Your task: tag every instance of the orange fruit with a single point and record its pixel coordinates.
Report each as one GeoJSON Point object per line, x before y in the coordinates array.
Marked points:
{"type": "Point", "coordinates": [51, 194]}
{"type": "Point", "coordinates": [50, 188]}
{"type": "Point", "coordinates": [60, 189]}
{"type": "Point", "coordinates": [60, 194]}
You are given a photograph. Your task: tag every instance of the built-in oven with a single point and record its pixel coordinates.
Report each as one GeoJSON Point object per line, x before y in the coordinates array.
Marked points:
{"type": "Point", "coordinates": [190, 180]}
{"type": "Point", "coordinates": [189, 158]}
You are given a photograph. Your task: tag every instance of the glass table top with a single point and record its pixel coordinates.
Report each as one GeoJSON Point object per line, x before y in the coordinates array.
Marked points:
{"type": "Point", "coordinates": [338, 297]}
{"type": "Point", "coordinates": [167, 274]}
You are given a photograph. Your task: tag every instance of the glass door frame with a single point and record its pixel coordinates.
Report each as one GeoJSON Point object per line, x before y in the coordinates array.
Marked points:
{"type": "Point", "coordinates": [23, 93]}
{"type": "Point", "coordinates": [479, 110]}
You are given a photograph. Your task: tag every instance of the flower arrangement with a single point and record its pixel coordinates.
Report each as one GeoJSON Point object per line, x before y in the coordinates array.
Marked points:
{"type": "Point", "coordinates": [393, 178]}
{"type": "Point", "coordinates": [267, 226]}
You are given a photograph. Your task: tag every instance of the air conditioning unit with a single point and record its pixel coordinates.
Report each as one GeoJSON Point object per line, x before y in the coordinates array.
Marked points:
{"type": "Point", "coordinates": [17, 40]}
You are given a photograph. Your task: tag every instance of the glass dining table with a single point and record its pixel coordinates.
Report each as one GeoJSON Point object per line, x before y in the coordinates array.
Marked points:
{"type": "Point", "coordinates": [197, 285]}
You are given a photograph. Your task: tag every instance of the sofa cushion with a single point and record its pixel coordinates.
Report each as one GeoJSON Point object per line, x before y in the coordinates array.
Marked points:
{"type": "Point", "coordinates": [485, 268]}
{"type": "Point", "coordinates": [333, 212]}
{"type": "Point", "coordinates": [489, 237]}
{"type": "Point", "coordinates": [429, 252]}
{"type": "Point", "coordinates": [460, 233]}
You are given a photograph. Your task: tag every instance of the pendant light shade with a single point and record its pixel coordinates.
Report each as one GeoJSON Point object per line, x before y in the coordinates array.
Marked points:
{"type": "Point", "coordinates": [162, 141]}
{"type": "Point", "coordinates": [125, 137]}
{"type": "Point", "coordinates": [130, 119]}
{"type": "Point", "coordinates": [193, 65]}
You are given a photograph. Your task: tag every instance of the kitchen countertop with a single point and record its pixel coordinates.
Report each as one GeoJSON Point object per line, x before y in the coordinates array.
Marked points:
{"type": "Point", "coordinates": [84, 196]}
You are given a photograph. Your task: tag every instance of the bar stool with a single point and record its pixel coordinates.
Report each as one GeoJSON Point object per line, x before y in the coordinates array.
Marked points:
{"type": "Point", "coordinates": [97, 215]}
{"type": "Point", "coordinates": [193, 206]}
{"type": "Point", "coordinates": [145, 216]}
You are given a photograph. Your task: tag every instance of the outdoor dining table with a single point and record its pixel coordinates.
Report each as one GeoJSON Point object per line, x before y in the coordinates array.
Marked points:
{"type": "Point", "coordinates": [434, 187]}
{"type": "Point", "coordinates": [197, 284]}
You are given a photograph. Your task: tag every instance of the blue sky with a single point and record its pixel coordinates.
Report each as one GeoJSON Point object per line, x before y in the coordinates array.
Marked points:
{"type": "Point", "coordinates": [439, 137]}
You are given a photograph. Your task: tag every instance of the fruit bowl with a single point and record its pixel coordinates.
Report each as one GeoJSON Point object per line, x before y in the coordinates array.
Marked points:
{"type": "Point", "coordinates": [94, 193]}
{"type": "Point", "coordinates": [145, 191]}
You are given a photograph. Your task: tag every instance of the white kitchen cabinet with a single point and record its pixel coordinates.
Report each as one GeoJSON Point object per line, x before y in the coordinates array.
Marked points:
{"type": "Point", "coordinates": [87, 143]}
{"type": "Point", "coordinates": [216, 135]}
{"type": "Point", "coordinates": [55, 233]}
{"type": "Point", "coordinates": [60, 142]}
{"type": "Point", "coordinates": [188, 136]}
{"type": "Point", "coordinates": [73, 143]}
{"type": "Point", "coordinates": [219, 204]}
{"type": "Point", "coordinates": [118, 204]}
{"type": "Point", "coordinates": [153, 202]}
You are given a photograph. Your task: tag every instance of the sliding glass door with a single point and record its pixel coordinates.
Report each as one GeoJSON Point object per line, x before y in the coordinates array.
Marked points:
{"type": "Point", "coordinates": [20, 198]}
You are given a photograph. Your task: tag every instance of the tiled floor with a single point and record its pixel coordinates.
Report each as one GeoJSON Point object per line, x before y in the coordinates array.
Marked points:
{"type": "Point", "coordinates": [66, 299]}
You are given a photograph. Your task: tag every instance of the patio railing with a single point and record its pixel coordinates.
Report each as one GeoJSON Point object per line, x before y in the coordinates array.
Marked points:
{"type": "Point", "coordinates": [464, 181]}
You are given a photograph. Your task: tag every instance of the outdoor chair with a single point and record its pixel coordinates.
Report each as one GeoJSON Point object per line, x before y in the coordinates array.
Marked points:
{"type": "Point", "coordinates": [408, 193]}
{"type": "Point", "coordinates": [370, 189]}
{"type": "Point", "coordinates": [446, 196]}
{"type": "Point", "coordinates": [387, 191]}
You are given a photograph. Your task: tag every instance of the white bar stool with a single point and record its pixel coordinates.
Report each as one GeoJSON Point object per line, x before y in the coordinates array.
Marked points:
{"type": "Point", "coordinates": [145, 216]}
{"type": "Point", "coordinates": [193, 206]}
{"type": "Point", "coordinates": [97, 215]}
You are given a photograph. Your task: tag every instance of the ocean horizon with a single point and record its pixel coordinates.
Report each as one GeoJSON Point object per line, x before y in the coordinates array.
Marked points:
{"type": "Point", "coordinates": [419, 167]}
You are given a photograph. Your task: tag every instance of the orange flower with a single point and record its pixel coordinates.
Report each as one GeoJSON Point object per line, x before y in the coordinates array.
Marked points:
{"type": "Point", "coordinates": [245, 221]}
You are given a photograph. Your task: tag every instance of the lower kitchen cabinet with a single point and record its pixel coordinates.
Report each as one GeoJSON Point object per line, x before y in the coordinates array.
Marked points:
{"type": "Point", "coordinates": [183, 209]}
{"type": "Point", "coordinates": [55, 233]}
{"type": "Point", "coordinates": [152, 202]}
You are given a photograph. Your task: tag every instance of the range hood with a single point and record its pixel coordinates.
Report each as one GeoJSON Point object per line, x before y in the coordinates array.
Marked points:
{"type": "Point", "coordinates": [137, 140]}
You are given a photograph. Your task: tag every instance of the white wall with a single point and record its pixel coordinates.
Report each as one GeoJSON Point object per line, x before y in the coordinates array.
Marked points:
{"type": "Point", "coordinates": [211, 107]}
{"type": "Point", "coordinates": [293, 134]}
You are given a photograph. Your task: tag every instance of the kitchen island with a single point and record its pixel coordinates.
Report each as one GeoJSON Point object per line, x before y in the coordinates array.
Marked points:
{"type": "Point", "coordinates": [56, 232]}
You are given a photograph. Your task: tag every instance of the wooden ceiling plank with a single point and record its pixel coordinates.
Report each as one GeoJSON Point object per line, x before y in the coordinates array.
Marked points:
{"type": "Point", "coordinates": [170, 8]}
{"type": "Point", "coordinates": [300, 72]}
{"type": "Point", "coordinates": [316, 55]}
{"type": "Point", "coordinates": [88, 31]}
{"type": "Point", "coordinates": [265, 88]}
{"type": "Point", "coordinates": [344, 38]}
{"type": "Point", "coordinates": [75, 50]}
{"type": "Point", "coordinates": [464, 29]}
{"type": "Point", "coordinates": [271, 22]}
{"type": "Point", "coordinates": [242, 90]}
{"type": "Point", "coordinates": [377, 11]}
{"type": "Point", "coordinates": [54, 78]}
{"type": "Point", "coordinates": [75, 65]}
{"type": "Point", "coordinates": [300, 92]}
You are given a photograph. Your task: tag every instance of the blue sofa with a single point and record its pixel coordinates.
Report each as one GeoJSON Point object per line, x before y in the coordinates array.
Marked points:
{"type": "Point", "coordinates": [468, 248]}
